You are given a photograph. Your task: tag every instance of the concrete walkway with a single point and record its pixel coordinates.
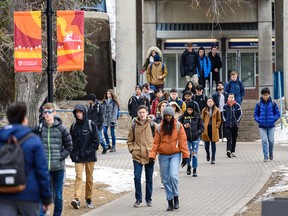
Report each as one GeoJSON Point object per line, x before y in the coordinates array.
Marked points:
{"type": "Point", "coordinates": [220, 189]}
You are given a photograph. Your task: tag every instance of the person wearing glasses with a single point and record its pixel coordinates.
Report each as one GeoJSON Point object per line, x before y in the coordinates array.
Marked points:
{"type": "Point", "coordinates": [57, 145]}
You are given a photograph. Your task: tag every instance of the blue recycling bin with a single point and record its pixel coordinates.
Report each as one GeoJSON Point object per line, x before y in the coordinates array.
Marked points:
{"type": "Point", "coordinates": [278, 84]}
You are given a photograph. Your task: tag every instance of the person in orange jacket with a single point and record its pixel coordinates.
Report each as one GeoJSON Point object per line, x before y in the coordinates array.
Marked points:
{"type": "Point", "coordinates": [170, 141]}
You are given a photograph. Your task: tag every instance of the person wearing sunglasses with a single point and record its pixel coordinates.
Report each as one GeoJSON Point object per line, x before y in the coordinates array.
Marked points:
{"type": "Point", "coordinates": [58, 145]}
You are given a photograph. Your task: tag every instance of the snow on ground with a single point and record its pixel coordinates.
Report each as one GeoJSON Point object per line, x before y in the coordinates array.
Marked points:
{"type": "Point", "coordinates": [119, 180]}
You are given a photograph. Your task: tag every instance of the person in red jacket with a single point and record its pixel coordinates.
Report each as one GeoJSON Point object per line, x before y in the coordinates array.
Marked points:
{"type": "Point", "coordinates": [170, 142]}
{"type": "Point", "coordinates": [155, 102]}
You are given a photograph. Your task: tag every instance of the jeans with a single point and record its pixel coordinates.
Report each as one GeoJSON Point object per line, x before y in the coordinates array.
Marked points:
{"type": "Point", "coordinates": [102, 142]}
{"type": "Point", "coordinates": [57, 179]}
{"type": "Point", "coordinates": [267, 137]}
{"type": "Point", "coordinates": [193, 149]}
{"type": "Point", "coordinates": [89, 168]}
{"type": "Point", "coordinates": [213, 148]}
{"type": "Point", "coordinates": [149, 168]}
{"type": "Point", "coordinates": [17, 207]}
{"type": "Point", "coordinates": [231, 134]}
{"type": "Point", "coordinates": [169, 166]}
{"type": "Point", "coordinates": [112, 130]}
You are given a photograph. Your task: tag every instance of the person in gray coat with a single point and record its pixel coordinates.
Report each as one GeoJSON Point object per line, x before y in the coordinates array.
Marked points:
{"type": "Point", "coordinates": [111, 109]}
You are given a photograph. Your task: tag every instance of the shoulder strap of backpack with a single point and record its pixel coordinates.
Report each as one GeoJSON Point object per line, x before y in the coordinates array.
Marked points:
{"type": "Point", "coordinates": [40, 126]}
{"type": "Point", "coordinates": [178, 126]}
{"type": "Point", "coordinates": [90, 125]}
{"type": "Point", "coordinates": [162, 67]}
{"type": "Point", "coordinates": [73, 125]}
{"type": "Point", "coordinates": [152, 126]}
{"type": "Point", "coordinates": [27, 136]}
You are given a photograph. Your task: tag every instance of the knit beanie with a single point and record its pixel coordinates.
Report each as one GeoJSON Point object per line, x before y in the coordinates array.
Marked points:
{"type": "Point", "coordinates": [191, 105]}
{"type": "Point", "coordinates": [92, 97]}
{"type": "Point", "coordinates": [168, 111]}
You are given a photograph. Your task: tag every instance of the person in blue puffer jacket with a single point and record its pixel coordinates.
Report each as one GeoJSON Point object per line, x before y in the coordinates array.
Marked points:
{"type": "Point", "coordinates": [266, 113]}
{"type": "Point", "coordinates": [204, 67]}
{"type": "Point", "coordinates": [36, 168]}
{"type": "Point", "coordinates": [236, 87]}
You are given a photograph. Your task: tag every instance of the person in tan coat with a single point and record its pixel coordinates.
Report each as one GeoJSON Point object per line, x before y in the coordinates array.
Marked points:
{"type": "Point", "coordinates": [140, 141]}
{"type": "Point", "coordinates": [212, 120]}
{"type": "Point", "coordinates": [156, 73]}
{"type": "Point", "coordinates": [170, 142]}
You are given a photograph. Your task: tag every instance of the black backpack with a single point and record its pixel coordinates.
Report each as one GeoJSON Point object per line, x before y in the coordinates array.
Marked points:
{"type": "Point", "coordinates": [12, 165]}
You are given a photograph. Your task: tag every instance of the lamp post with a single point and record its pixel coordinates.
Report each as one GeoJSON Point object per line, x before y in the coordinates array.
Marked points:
{"type": "Point", "coordinates": [49, 14]}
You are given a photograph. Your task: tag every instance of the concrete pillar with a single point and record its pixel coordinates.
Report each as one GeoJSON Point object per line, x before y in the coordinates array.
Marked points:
{"type": "Point", "coordinates": [285, 50]}
{"type": "Point", "coordinates": [139, 36]}
{"type": "Point", "coordinates": [278, 23]}
{"type": "Point", "coordinates": [265, 44]}
{"type": "Point", "coordinates": [126, 50]}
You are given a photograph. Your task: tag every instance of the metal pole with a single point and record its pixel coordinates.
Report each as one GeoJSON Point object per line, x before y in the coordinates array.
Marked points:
{"type": "Point", "coordinates": [49, 14]}
{"type": "Point", "coordinates": [280, 96]}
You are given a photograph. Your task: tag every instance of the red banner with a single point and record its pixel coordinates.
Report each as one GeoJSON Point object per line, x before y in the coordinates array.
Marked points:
{"type": "Point", "coordinates": [27, 41]}
{"type": "Point", "coordinates": [70, 40]}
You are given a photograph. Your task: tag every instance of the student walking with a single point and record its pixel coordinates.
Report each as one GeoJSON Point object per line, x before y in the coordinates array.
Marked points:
{"type": "Point", "coordinates": [236, 87]}
{"type": "Point", "coordinates": [85, 144]}
{"type": "Point", "coordinates": [110, 107]}
{"type": "Point", "coordinates": [170, 141]}
{"type": "Point", "coordinates": [232, 114]}
{"type": "Point", "coordinates": [37, 190]}
{"type": "Point", "coordinates": [212, 120]}
{"type": "Point", "coordinates": [266, 113]}
{"type": "Point", "coordinates": [140, 141]}
{"type": "Point", "coordinates": [194, 127]}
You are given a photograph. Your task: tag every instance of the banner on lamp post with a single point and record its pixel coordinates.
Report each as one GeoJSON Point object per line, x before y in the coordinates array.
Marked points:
{"type": "Point", "coordinates": [70, 40]}
{"type": "Point", "coordinates": [27, 41]}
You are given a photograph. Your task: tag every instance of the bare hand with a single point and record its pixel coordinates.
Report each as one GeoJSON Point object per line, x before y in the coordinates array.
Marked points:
{"type": "Point", "coordinates": [216, 69]}
{"type": "Point", "coordinates": [160, 77]}
{"type": "Point", "coordinates": [187, 125]}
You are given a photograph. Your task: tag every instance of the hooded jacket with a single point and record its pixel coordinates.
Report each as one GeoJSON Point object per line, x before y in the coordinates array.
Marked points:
{"type": "Point", "coordinates": [181, 103]}
{"type": "Point", "coordinates": [36, 167]}
{"type": "Point", "coordinates": [140, 140]}
{"type": "Point", "coordinates": [204, 66]}
{"type": "Point", "coordinates": [95, 113]}
{"type": "Point", "coordinates": [170, 144]}
{"type": "Point", "coordinates": [134, 103]}
{"type": "Point", "coordinates": [266, 113]}
{"type": "Point", "coordinates": [178, 111]}
{"type": "Point", "coordinates": [196, 128]}
{"type": "Point", "coordinates": [189, 63]}
{"type": "Point", "coordinates": [85, 140]}
{"type": "Point", "coordinates": [155, 72]}
{"type": "Point", "coordinates": [57, 144]}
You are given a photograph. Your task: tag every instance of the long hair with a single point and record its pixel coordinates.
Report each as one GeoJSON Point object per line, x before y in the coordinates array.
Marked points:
{"type": "Point", "coordinates": [167, 127]}
{"type": "Point", "coordinates": [113, 95]}
{"type": "Point", "coordinates": [206, 105]}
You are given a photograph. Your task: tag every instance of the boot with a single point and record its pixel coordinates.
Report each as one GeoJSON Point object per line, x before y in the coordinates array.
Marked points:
{"type": "Point", "coordinates": [194, 172]}
{"type": "Point", "coordinates": [188, 172]}
{"type": "Point", "coordinates": [176, 202]}
{"type": "Point", "coordinates": [170, 205]}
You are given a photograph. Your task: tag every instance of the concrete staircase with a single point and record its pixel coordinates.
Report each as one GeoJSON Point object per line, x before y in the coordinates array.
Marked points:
{"type": "Point", "coordinates": [248, 131]}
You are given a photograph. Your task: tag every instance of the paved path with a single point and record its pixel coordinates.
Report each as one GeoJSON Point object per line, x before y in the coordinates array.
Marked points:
{"type": "Point", "coordinates": [220, 189]}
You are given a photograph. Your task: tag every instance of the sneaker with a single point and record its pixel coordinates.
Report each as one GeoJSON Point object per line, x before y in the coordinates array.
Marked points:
{"type": "Point", "coordinates": [108, 147]}
{"type": "Point", "coordinates": [224, 140]}
{"type": "Point", "coordinates": [113, 149]}
{"type": "Point", "coordinates": [188, 172]}
{"type": "Point", "coordinates": [137, 204]}
{"type": "Point", "coordinates": [149, 203]}
{"type": "Point", "coordinates": [201, 143]}
{"type": "Point", "coordinates": [162, 186]}
{"type": "Point", "coordinates": [212, 162]}
{"type": "Point", "coordinates": [271, 156]}
{"type": "Point", "coordinates": [194, 172]}
{"type": "Point", "coordinates": [104, 151]}
{"type": "Point", "coordinates": [75, 203]}
{"type": "Point", "coordinates": [233, 154]}
{"type": "Point", "coordinates": [265, 160]}
{"type": "Point", "coordinates": [89, 204]}
{"type": "Point", "coordinates": [228, 153]}
{"type": "Point", "coordinates": [208, 158]}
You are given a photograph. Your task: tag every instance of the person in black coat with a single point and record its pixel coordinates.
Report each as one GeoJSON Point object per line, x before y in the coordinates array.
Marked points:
{"type": "Point", "coordinates": [95, 113]}
{"type": "Point", "coordinates": [136, 100]}
{"type": "Point", "coordinates": [194, 127]}
{"type": "Point", "coordinates": [85, 138]}
{"type": "Point", "coordinates": [216, 64]}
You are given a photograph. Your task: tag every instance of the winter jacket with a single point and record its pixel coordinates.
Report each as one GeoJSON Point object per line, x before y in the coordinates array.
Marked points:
{"type": "Point", "coordinates": [180, 103]}
{"type": "Point", "coordinates": [149, 55]}
{"type": "Point", "coordinates": [158, 119]}
{"type": "Point", "coordinates": [95, 113]}
{"type": "Point", "coordinates": [140, 140]}
{"type": "Point", "coordinates": [178, 111]}
{"type": "Point", "coordinates": [85, 140]}
{"type": "Point", "coordinates": [170, 144]}
{"type": "Point", "coordinates": [204, 67]}
{"type": "Point", "coordinates": [196, 128]}
{"type": "Point", "coordinates": [216, 98]}
{"type": "Point", "coordinates": [216, 122]}
{"type": "Point", "coordinates": [110, 110]}
{"type": "Point", "coordinates": [193, 91]}
{"type": "Point", "coordinates": [57, 143]}
{"type": "Point", "coordinates": [134, 103]}
{"type": "Point", "coordinates": [215, 62]}
{"type": "Point", "coordinates": [237, 88]}
{"type": "Point", "coordinates": [232, 115]}
{"type": "Point", "coordinates": [154, 107]}
{"type": "Point", "coordinates": [36, 167]}
{"type": "Point", "coordinates": [201, 101]}
{"type": "Point", "coordinates": [153, 73]}
{"type": "Point", "coordinates": [196, 106]}
{"type": "Point", "coordinates": [189, 63]}
{"type": "Point", "coordinates": [266, 113]}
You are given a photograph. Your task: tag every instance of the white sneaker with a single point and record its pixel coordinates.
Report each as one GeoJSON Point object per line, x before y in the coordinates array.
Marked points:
{"type": "Point", "coordinates": [224, 140]}
{"type": "Point", "coordinates": [201, 143]}
{"type": "Point", "coordinates": [162, 186]}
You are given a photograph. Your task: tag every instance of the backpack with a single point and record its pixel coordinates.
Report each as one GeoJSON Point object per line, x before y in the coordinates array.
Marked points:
{"type": "Point", "coordinates": [152, 126]}
{"type": "Point", "coordinates": [89, 122]}
{"type": "Point", "coordinates": [12, 165]}
{"type": "Point", "coordinates": [151, 64]}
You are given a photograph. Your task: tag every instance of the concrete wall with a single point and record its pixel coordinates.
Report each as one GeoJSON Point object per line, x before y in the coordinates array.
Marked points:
{"type": "Point", "coordinates": [184, 13]}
